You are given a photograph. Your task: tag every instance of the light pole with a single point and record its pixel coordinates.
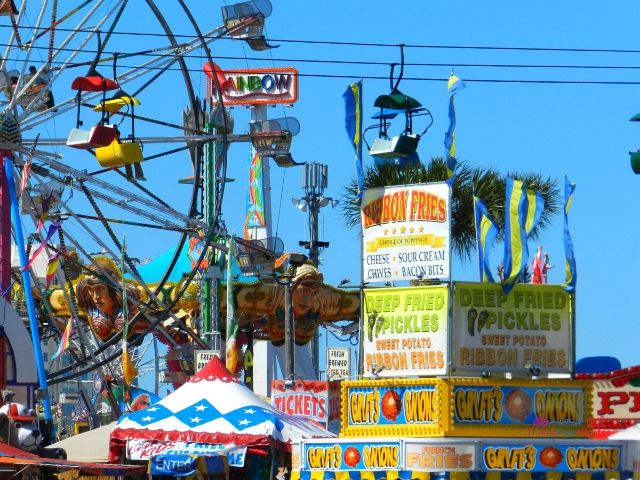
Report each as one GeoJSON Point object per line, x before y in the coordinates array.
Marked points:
{"type": "Point", "coordinates": [315, 180]}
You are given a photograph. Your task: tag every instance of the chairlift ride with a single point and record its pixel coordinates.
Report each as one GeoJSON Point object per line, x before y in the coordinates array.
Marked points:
{"type": "Point", "coordinates": [403, 146]}
{"type": "Point", "coordinates": [272, 138]}
{"type": "Point", "coordinates": [245, 21]}
{"type": "Point", "coordinates": [257, 257]}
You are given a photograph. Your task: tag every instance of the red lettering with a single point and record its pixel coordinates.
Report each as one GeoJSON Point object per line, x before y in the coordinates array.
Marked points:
{"type": "Point", "coordinates": [609, 399]}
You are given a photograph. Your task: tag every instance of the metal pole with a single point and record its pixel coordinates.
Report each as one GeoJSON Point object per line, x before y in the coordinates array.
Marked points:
{"type": "Point", "coordinates": [31, 308]}
{"type": "Point", "coordinates": [314, 210]}
{"type": "Point", "coordinates": [289, 336]}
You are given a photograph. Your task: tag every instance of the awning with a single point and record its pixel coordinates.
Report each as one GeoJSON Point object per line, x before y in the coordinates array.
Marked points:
{"type": "Point", "coordinates": [415, 475]}
{"type": "Point", "coordinates": [99, 469]}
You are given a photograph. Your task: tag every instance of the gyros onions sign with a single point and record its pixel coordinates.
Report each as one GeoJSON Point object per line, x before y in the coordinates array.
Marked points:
{"type": "Point", "coordinates": [405, 233]}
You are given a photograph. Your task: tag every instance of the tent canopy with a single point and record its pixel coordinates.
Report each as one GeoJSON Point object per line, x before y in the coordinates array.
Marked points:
{"type": "Point", "coordinates": [91, 446]}
{"type": "Point", "coordinates": [214, 407]}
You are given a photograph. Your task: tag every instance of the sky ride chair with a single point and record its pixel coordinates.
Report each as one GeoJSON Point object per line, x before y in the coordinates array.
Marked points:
{"type": "Point", "coordinates": [245, 21]}
{"type": "Point", "coordinates": [402, 148]}
{"type": "Point", "coordinates": [272, 138]}
{"type": "Point", "coordinates": [256, 258]}
{"type": "Point", "coordinates": [101, 134]}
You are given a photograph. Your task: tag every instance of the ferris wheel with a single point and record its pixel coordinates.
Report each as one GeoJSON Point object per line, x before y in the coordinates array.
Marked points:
{"type": "Point", "coordinates": [92, 128]}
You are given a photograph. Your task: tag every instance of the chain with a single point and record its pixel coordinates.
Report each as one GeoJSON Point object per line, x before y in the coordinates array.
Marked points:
{"type": "Point", "coordinates": [107, 227]}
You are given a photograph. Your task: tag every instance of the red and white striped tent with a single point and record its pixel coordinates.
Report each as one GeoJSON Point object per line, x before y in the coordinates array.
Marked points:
{"type": "Point", "coordinates": [213, 407]}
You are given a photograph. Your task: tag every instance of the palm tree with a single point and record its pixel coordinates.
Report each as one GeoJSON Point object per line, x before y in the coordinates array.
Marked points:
{"type": "Point", "coordinates": [489, 186]}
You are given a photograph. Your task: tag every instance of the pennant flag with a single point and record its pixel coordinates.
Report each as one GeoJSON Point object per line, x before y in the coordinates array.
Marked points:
{"type": "Point", "coordinates": [52, 268]}
{"type": "Point", "coordinates": [535, 207]}
{"type": "Point", "coordinates": [353, 124]}
{"type": "Point", "coordinates": [26, 169]}
{"type": "Point", "coordinates": [486, 233]}
{"type": "Point", "coordinates": [65, 341]}
{"type": "Point", "coordinates": [570, 260]}
{"type": "Point", "coordinates": [233, 352]}
{"type": "Point", "coordinates": [454, 86]}
{"type": "Point", "coordinates": [46, 206]}
{"type": "Point", "coordinates": [53, 228]}
{"type": "Point", "coordinates": [129, 371]}
{"type": "Point", "coordinates": [516, 253]}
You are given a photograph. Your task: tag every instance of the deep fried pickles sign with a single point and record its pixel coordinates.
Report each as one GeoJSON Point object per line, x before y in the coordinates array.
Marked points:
{"type": "Point", "coordinates": [405, 331]}
{"type": "Point", "coordinates": [510, 333]}
{"type": "Point", "coordinates": [405, 232]}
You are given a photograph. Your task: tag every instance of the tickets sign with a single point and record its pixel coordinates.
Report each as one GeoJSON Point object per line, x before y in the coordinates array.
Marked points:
{"type": "Point", "coordinates": [551, 457]}
{"type": "Point", "coordinates": [405, 232]}
{"type": "Point", "coordinates": [438, 457]}
{"type": "Point", "coordinates": [317, 400]}
{"type": "Point", "coordinates": [405, 331]}
{"type": "Point", "coordinates": [410, 406]}
{"type": "Point", "coordinates": [365, 455]}
{"type": "Point", "coordinates": [530, 327]}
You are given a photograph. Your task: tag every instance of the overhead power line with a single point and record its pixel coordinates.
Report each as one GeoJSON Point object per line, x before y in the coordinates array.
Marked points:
{"type": "Point", "coordinates": [360, 44]}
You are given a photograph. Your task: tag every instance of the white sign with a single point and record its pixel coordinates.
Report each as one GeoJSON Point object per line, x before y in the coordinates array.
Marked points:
{"type": "Point", "coordinates": [436, 457]}
{"type": "Point", "coordinates": [145, 449]}
{"type": "Point", "coordinates": [405, 331]}
{"type": "Point", "coordinates": [338, 363]}
{"type": "Point", "coordinates": [523, 332]}
{"type": "Point", "coordinates": [202, 357]}
{"type": "Point", "coordinates": [405, 233]}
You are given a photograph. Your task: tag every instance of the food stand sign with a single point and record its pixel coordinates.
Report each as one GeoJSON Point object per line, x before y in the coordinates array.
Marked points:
{"type": "Point", "coordinates": [405, 233]}
{"type": "Point", "coordinates": [412, 406]}
{"type": "Point", "coordinates": [350, 454]}
{"type": "Point", "coordinates": [494, 332]}
{"type": "Point", "coordinates": [317, 400]}
{"type": "Point", "coordinates": [552, 457]}
{"type": "Point", "coordinates": [433, 456]}
{"type": "Point", "coordinates": [405, 331]}
{"type": "Point", "coordinates": [338, 363]}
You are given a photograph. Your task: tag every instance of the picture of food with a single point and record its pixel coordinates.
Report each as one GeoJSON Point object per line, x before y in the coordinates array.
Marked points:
{"type": "Point", "coordinates": [391, 405]}
{"type": "Point", "coordinates": [550, 457]}
{"type": "Point", "coordinates": [351, 457]}
{"type": "Point", "coordinates": [518, 405]}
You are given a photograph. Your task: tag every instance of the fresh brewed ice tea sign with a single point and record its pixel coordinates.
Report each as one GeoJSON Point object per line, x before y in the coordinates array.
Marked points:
{"type": "Point", "coordinates": [337, 363]}
{"type": "Point", "coordinates": [405, 233]}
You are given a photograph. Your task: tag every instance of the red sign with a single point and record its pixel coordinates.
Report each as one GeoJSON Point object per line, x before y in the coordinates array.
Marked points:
{"type": "Point", "coordinates": [319, 401]}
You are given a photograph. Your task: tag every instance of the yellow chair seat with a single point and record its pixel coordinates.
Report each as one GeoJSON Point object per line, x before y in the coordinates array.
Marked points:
{"type": "Point", "coordinates": [119, 154]}
{"type": "Point", "coordinates": [115, 104]}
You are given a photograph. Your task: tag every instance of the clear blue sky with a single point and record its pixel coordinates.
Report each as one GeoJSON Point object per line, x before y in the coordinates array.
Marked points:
{"type": "Point", "coordinates": [581, 130]}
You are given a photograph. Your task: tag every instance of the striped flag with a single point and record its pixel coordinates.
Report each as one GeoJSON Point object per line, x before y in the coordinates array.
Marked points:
{"type": "Point", "coordinates": [65, 341]}
{"type": "Point", "coordinates": [454, 86]}
{"type": "Point", "coordinates": [570, 260]}
{"type": "Point", "coordinates": [26, 169]}
{"type": "Point", "coordinates": [537, 268]}
{"type": "Point", "coordinates": [535, 207]}
{"type": "Point", "coordinates": [516, 253]}
{"type": "Point", "coordinates": [486, 233]}
{"type": "Point", "coordinates": [232, 348]}
{"type": "Point", "coordinates": [52, 268]}
{"type": "Point", "coordinates": [353, 124]}
{"type": "Point", "coordinates": [53, 228]}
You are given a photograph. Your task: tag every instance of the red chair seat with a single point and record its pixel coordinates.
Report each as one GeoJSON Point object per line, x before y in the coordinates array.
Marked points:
{"type": "Point", "coordinates": [94, 83]}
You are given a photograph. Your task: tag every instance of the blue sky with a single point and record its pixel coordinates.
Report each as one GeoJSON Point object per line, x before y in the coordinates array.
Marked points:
{"type": "Point", "coordinates": [580, 130]}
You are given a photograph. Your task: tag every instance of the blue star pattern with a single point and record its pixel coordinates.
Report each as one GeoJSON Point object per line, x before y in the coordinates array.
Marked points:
{"type": "Point", "coordinates": [199, 413]}
{"type": "Point", "coordinates": [153, 414]}
{"type": "Point", "coordinates": [249, 416]}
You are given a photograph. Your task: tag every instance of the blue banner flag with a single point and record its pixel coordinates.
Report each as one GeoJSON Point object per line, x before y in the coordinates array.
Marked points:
{"type": "Point", "coordinates": [353, 124]}
{"type": "Point", "coordinates": [454, 86]}
{"type": "Point", "coordinates": [570, 259]}
{"type": "Point", "coordinates": [486, 233]}
{"type": "Point", "coordinates": [516, 253]}
{"type": "Point", "coordinates": [535, 206]}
